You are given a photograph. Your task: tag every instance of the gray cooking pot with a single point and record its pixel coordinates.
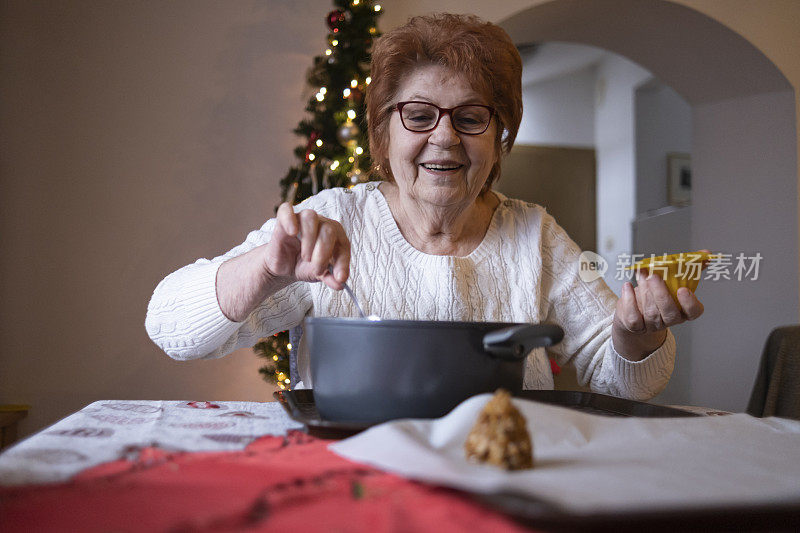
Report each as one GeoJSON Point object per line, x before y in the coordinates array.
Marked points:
{"type": "Point", "coordinates": [373, 371]}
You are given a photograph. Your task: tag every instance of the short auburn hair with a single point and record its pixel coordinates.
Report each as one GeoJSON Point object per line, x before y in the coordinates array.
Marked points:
{"type": "Point", "coordinates": [483, 52]}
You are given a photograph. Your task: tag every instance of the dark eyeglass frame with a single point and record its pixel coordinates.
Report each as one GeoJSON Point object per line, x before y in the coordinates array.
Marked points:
{"type": "Point", "coordinates": [443, 111]}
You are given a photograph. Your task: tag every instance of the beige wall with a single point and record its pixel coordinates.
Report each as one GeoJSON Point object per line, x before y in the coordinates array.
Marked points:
{"type": "Point", "coordinates": [772, 27]}
{"type": "Point", "coordinates": [137, 136]}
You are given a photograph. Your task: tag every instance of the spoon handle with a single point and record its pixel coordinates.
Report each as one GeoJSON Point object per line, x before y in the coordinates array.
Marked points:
{"type": "Point", "coordinates": [352, 296]}
{"type": "Point", "coordinates": [355, 301]}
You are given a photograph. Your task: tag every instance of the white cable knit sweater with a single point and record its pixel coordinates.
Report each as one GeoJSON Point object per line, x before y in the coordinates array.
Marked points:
{"type": "Point", "coordinates": [524, 270]}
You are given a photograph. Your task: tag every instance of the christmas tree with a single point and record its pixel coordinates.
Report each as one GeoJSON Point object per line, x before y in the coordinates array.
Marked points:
{"type": "Point", "coordinates": [335, 151]}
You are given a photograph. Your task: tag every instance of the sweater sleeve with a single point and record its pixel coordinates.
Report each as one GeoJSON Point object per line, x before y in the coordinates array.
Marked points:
{"type": "Point", "coordinates": [184, 318]}
{"type": "Point", "coordinates": [585, 310]}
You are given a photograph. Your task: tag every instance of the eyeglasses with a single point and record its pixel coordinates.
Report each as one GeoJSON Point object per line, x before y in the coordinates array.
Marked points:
{"type": "Point", "coordinates": [420, 117]}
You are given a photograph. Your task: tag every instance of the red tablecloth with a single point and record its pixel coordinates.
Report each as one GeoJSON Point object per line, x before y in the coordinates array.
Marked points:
{"type": "Point", "coordinates": [275, 484]}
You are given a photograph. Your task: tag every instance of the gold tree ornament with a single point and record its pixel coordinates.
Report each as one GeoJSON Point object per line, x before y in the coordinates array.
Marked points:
{"type": "Point", "coordinates": [356, 175]}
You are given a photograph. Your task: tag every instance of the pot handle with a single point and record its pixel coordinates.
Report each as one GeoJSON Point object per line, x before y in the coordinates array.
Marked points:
{"type": "Point", "coordinates": [514, 342]}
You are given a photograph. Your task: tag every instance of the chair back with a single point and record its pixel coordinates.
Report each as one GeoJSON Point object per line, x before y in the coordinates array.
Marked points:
{"type": "Point", "coordinates": [776, 391]}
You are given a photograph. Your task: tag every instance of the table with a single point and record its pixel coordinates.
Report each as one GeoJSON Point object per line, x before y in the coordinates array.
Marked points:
{"type": "Point", "coordinates": [210, 466]}
{"type": "Point", "coordinates": [109, 430]}
{"type": "Point", "coordinates": [230, 466]}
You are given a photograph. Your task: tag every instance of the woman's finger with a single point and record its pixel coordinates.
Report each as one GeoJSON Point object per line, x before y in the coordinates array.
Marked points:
{"type": "Point", "coordinates": [341, 257]}
{"type": "Point", "coordinates": [692, 307]}
{"type": "Point", "coordinates": [652, 315]}
{"type": "Point", "coordinates": [628, 308]}
{"type": "Point", "coordinates": [647, 304]}
{"type": "Point", "coordinates": [287, 219]}
{"type": "Point", "coordinates": [309, 224]}
{"type": "Point", "coordinates": [670, 313]}
{"type": "Point", "coordinates": [640, 293]}
{"type": "Point", "coordinates": [323, 248]}
{"type": "Point", "coordinates": [337, 257]}
{"type": "Point", "coordinates": [328, 279]}
{"type": "Point", "coordinates": [283, 248]}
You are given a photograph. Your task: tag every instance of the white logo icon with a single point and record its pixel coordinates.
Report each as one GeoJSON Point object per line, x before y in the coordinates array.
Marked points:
{"type": "Point", "coordinates": [591, 266]}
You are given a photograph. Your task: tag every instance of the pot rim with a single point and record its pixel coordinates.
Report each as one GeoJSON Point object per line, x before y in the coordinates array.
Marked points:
{"type": "Point", "coordinates": [416, 324]}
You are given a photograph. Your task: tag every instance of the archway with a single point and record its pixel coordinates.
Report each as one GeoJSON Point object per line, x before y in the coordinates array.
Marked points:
{"type": "Point", "coordinates": [744, 162]}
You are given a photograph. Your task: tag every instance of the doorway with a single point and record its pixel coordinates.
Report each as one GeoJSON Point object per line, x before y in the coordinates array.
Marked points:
{"type": "Point", "coordinates": [560, 179]}
{"type": "Point", "coordinates": [744, 167]}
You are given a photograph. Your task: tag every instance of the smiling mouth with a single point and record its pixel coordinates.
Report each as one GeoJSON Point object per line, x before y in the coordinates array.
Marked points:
{"type": "Point", "coordinates": [434, 167]}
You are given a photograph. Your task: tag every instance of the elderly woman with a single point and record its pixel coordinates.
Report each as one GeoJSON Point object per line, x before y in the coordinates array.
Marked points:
{"type": "Point", "coordinates": [432, 241]}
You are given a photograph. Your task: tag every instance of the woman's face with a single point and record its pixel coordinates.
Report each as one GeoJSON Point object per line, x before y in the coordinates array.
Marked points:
{"type": "Point", "coordinates": [441, 167]}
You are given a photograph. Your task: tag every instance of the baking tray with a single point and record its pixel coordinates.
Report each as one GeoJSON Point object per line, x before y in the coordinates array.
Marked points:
{"type": "Point", "coordinates": [542, 515]}
{"type": "Point", "coordinates": [300, 405]}
{"type": "Point", "coordinates": [771, 518]}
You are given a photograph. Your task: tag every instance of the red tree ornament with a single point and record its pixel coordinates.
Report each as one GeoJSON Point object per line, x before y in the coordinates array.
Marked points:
{"type": "Point", "coordinates": [312, 143]}
{"type": "Point", "coordinates": [356, 95]}
{"type": "Point", "coordinates": [335, 18]}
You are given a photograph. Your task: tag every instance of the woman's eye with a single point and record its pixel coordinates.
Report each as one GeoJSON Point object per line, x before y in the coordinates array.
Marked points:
{"type": "Point", "coordinates": [420, 117]}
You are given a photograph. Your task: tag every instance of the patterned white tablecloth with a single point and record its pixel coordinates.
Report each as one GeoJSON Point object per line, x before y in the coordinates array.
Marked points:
{"type": "Point", "coordinates": [112, 429]}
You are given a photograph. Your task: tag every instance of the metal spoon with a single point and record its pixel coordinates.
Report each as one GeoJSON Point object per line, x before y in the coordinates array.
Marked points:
{"type": "Point", "coordinates": [355, 300]}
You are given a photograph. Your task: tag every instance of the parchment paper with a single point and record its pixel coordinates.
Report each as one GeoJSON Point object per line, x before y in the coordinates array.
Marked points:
{"type": "Point", "coordinates": [587, 463]}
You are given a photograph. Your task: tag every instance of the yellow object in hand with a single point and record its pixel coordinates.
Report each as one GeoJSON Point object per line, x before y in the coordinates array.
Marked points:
{"type": "Point", "coordinates": [677, 270]}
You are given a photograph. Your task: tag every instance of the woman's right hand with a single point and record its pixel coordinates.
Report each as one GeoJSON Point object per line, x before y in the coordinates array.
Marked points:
{"type": "Point", "coordinates": [303, 247]}
{"type": "Point", "coordinates": [306, 246]}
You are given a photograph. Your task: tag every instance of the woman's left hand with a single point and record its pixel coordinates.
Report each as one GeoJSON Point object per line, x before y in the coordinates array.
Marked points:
{"type": "Point", "coordinates": [643, 315]}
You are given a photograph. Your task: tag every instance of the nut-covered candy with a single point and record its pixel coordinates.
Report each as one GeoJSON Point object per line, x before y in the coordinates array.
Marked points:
{"type": "Point", "coordinates": [500, 436]}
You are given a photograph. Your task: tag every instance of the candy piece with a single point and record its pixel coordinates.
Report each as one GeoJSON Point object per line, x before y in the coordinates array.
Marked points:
{"type": "Point", "coordinates": [677, 270]}
{"type": "Point", "coordinates": [500, 436]}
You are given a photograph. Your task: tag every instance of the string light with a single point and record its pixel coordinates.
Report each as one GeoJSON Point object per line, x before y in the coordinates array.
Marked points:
{"type": "Point", "coordinates": [335, 42]}
{"type": "Point", "coordinates": [289, 345]}
{"type": "Point", "coordinates": [373, 31]}
{"type": "Point", "coordinates": [346, 93]}
{"type": "Point", "coordinates": [334, 165]}
{"type": "Point", "coordinates": [287, 381]}
{"type": "Point", "coordinates": [328, 51]}
{"type": "Point", "coordinates": [359, 150]}
{"type": "Point", "coordinates": [274, 357]}
{"type": "Point", "coordinates": [351, 114]}
{"type": "Point", "coordinates": [311, 157]}
{"type": "Point", "coordinates": [353, 83]}
{"type": "Point", "coordinates": [351, 159]}
{"type": "Point", "coordinates": [368, 80]}
{"type": "Point", "coordinates": [323, 90]}
{"type": "Point", "coordinates": [282, 386]}
{"type": "Point", "coordinates": [377, 7]}
{"type": "Point", "coordinates": [356, 2]}
{"type": "Point", "coordinates": [319, 143]}
{"type": "Point", "coordinates": [320, 97]}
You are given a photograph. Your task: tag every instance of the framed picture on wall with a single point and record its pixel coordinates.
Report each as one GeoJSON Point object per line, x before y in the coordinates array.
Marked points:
{"type": "Point", "coordinates": [679, 179]}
